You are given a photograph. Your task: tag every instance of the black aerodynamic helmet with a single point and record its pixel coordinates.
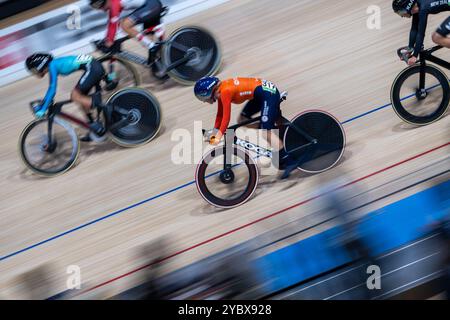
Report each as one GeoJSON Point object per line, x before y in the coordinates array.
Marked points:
{"type": "Point", "coordinates": [403, 6]}
{"type": "Point", "coordinates": [37, 62]}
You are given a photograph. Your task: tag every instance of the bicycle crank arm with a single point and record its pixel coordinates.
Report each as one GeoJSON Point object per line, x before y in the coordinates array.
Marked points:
{"type": "Point", "coordinates": [186, 58]}
{"type": "Point", "coordinates": [302, 147]}
{"type": "Point", "coordinates": [119, 125]}
{"type": "Point", "coordinates": [121, 111]}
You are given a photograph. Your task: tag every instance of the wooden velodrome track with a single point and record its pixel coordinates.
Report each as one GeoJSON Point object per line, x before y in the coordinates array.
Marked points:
{"type": "Point", "coordinates": [321, 51]}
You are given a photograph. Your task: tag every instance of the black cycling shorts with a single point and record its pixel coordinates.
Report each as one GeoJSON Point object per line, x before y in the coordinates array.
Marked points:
{"type": "Point", "coordinates": [444, 28]}
{"type": "Point", "coordinates": [268, 103]}
{"type": "Point", "coordinates": [149, 14]}
{"type": "Point", "coordinates": [93, 74]}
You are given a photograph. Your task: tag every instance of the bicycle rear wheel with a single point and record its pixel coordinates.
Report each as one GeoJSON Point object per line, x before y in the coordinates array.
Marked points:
{"type": "Point", "coordinates": [205, 49]}
{"type": "Point", "coordinates": [329, 146]}
{"type": "Point", "coordinates": [416, 106]}
{"type": "Point", "coordinates": [44, 159]}
{"type": "Point", "coordinates": [226, 188]}
{"type": "Point", "coordinates": [139, 113]}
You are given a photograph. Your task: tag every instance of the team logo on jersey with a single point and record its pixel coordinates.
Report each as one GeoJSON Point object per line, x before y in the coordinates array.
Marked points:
{"type": "Point", "coordinates": [268, 86]}
{"type": "Point", "coordinates": [84, 58]}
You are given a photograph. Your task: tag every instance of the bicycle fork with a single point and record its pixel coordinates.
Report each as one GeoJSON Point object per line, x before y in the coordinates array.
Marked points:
{"type": "Point", "coordinates": [51, 145]}
{"type": "Point", "coordinates": [421, 91]}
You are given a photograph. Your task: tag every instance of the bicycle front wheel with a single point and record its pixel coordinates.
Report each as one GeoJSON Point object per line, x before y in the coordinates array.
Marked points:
{"type": "Point", "coordinates": [227, 188]}
{"type": "Point", "coordinates": [44, 158]}
{"type": "Point", "coordinates": [205, 51]}
{"type": "Point", "coordinates": [329, 141]}
{"type": "Point", "coordinates": [416, 105]}
{"type": "Point", "coordinates": [120, 71]}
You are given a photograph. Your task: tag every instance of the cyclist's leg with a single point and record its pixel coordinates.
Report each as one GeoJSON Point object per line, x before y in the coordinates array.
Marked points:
{"type": "Point", "coordinates": [149, 15]}
{"type": "Point", "coordinates": [94, 73]}
{"type": "Point", "coordinates": [440, 36]}
{"type": "Point", "coordinates": [250, 109]}
{"type": "Point", "coordinates": [270, 113]}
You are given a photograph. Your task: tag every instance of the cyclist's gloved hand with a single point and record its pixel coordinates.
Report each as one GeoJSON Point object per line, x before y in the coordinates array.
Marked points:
{"type": "Point", "coordinates": [39, 111]}
{"type": "Point", "coordinates": [208, 134]}
{"type": "Point", "coordinates": [214, 140]}
{"type": "Point", "coordinates": [405, 53]}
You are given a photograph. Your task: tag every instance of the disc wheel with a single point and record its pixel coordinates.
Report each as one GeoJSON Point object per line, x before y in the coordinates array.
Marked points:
{"type": "Point", "coordinates": [329, 144]}
{"type": "Point", "coordinates": [139, 114]}
{"type": "Point", "coordinates": [205, 51]}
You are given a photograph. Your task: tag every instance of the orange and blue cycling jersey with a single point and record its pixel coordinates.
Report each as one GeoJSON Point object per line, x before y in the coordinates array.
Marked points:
{"type": "Point", "coordinates": [262, 96]}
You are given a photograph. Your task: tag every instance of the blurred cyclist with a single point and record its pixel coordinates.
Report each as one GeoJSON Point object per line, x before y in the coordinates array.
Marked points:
{"type": "Point", "coordinates": [147, 12]}
{"type": "Point", "coordinates": [440, 35]}
{"type": "Point", "coordinates": [42, 63]}
{"type": "Point", "coordinates": [419, 11]}
{"type": "Point", "coordinates": [261, 96]}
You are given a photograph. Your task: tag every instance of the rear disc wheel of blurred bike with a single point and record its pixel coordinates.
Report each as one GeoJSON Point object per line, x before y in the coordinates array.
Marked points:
{"type": "Point", "coordinates": [416, 106]}
{"type": "Point", "coordinates": [143, 114]}
{"type": "Point", "coordinates": [201, 45]}
{"type": "Point", "coordinates": [49, 159]}
{"type": "Point", "coordinates": [227, 188]}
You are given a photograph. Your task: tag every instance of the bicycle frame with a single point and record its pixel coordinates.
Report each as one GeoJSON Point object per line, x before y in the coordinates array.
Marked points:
{"type": "Point", "coordinates": [140, 60]}
{"type": "Point", "coordinates": [427, 55]}
{"type": "Point", "coordinates": [67, 116]}
{"type": "Point", "coordinates": [260, 151]}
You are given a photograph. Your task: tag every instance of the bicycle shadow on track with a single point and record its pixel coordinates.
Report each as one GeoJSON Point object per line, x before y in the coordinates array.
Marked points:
{"type": "Point", "coordinates": [403, 126]}
{"type": "Point", "coordinates": [150, 83]}
{"type": "Point", "coordinates": [85, 152]}
{"type": "Point", "coordinates": [89, 149]}
{"type": "Point", "coordinates": [298, 176]}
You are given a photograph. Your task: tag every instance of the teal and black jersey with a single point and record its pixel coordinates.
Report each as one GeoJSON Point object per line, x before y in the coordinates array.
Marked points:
{"type": "Point", "coordinates": [63, 66]}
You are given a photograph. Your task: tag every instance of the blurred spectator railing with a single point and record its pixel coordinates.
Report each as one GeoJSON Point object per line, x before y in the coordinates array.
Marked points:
{"type": "Point", "coordinates": [9, 8]}
{"type": "Point", "coordinates": [68, 30]}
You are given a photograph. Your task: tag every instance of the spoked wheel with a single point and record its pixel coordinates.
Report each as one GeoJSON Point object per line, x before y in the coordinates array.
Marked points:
{"type": "Point", "coordinates": [420, 106]}
{"type": "Point", "coordinates": [329, 144]}
{"type": "Point", "coordinates": [203, 48]}
{"type": "Point", "coordinates": [227, 188]}
{"type": "Point", "coordinates": [135, 117]}
{"type": "Point", "coordinates": [120, 72]}
{"type": "Point", "coordinates": [44, 158]}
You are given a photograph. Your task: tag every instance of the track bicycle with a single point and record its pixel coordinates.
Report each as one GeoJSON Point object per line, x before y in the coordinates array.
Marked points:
{"type": "Point", "coordinates": [227, 176]}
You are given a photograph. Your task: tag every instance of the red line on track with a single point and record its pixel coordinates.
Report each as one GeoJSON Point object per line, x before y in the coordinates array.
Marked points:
{"type": "Point", "coordinates": [263, 218]}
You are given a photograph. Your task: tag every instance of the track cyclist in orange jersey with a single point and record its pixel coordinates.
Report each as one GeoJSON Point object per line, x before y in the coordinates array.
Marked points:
{"type": "Point", "coordinates": [147, 12]}
{"type": "Point", "coordinates": [261, 96]}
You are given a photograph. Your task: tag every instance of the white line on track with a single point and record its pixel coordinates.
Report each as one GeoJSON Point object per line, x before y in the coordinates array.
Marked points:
{"type": "Point", "coordinates": [344, 272]}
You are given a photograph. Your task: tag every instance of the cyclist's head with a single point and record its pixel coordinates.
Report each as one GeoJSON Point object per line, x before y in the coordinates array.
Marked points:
{"type": "Point", "coordinates": [98, 4]}
{"type": "Point", "coordinates": [404, 8]}
{"type": "Point", "coordinates": [38, 63]}
{"type": "Point", "coordinates": [204, 89]}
